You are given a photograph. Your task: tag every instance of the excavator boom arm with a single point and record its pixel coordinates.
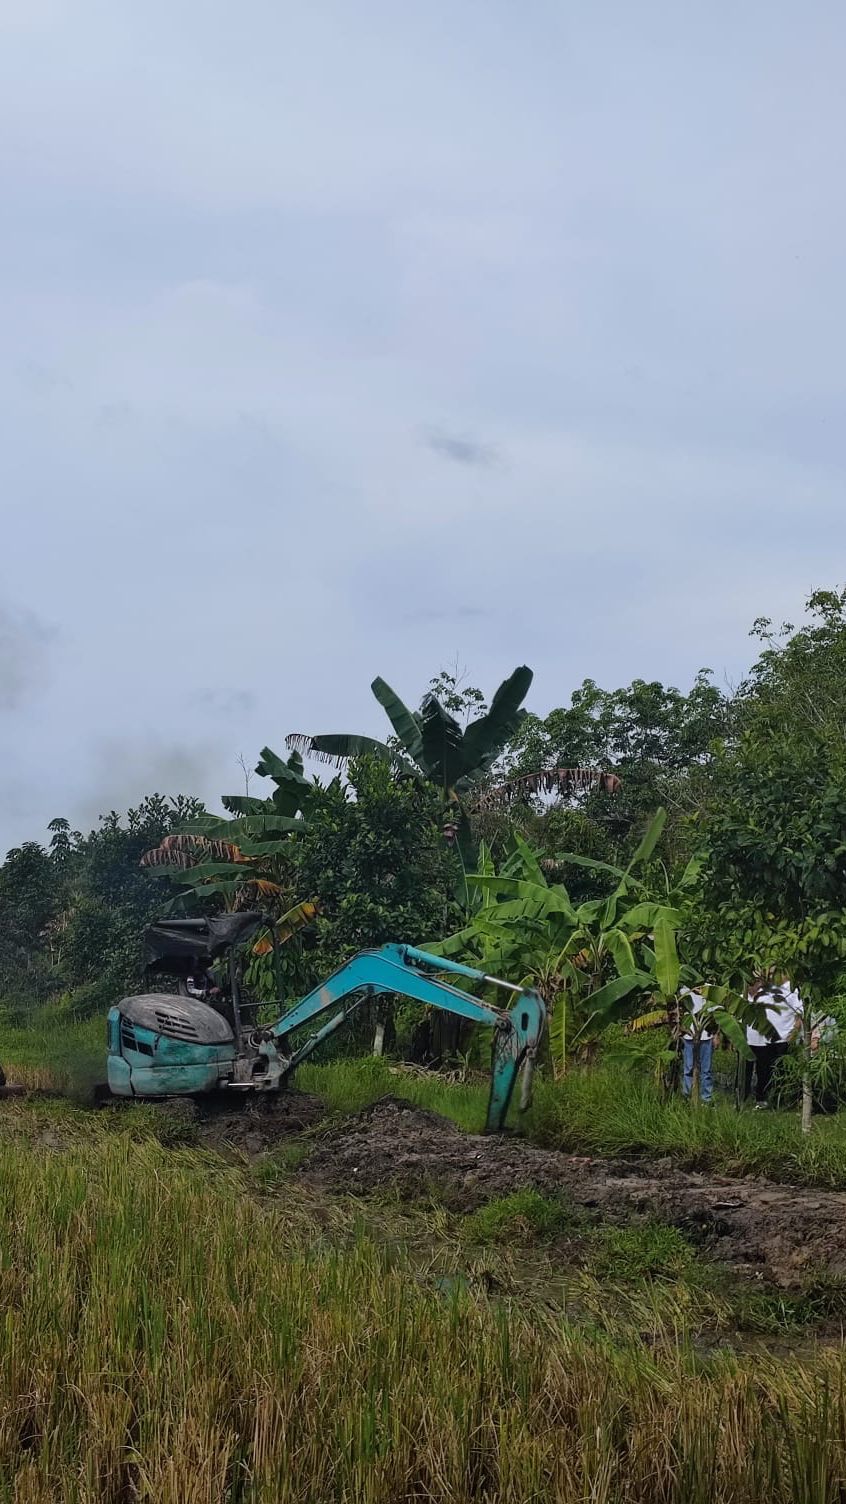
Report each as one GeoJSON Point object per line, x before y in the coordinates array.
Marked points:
{"type": "Point", "coordinates": [403, 970]}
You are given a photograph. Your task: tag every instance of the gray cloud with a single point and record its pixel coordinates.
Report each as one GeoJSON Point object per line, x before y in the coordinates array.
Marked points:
{"type": "Point", "coordinates": [460, 449]}
{"type": "Point", "coordinates": [224, 702]}
{"type": "Point", "coordinates": [24, 651]}
{"type": "Point", "coordinates": [447, 613]}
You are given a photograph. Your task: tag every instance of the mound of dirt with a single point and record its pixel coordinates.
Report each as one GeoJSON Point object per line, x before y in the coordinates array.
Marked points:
{"type": "Point", "coordinates": [783, 1233]}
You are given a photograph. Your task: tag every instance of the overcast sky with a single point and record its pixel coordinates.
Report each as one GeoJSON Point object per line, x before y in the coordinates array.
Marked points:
{"type": "Point", "coordinates": [348, 338]}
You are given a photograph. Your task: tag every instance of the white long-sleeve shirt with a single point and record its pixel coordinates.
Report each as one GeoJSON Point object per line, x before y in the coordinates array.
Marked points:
{"type": "Point", "coordinates": [784, 1009]}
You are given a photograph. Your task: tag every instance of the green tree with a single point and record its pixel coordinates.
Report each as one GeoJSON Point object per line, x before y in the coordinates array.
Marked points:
{"type": "Point", "coordinates": [658, 742]}
{"type": "Point", "coordinates": [374, 853]}
{"type": "Point", "coordinates": [774, 881]}
{"type": "Point", "coordinates": [112, 898]}
{"type": "Point", "coordinates": [31, 892]}
{"type": "Point", "coordinates": [430, 745]}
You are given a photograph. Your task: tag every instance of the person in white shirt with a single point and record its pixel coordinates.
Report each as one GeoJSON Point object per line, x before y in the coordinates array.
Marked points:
{"type": "Point", "coordinates": [697, 1042]}
{"type": "Point", "coordinates": [784, 1012]}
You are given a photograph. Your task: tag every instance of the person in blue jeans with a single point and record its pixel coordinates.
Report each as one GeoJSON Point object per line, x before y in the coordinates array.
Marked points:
{"type": "Point", "coordinates": [699, 1043]}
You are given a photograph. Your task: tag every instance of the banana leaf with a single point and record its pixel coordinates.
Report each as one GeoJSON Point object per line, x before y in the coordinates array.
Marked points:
{"type": "Point", "coordinates": [644, 916]}
{"type": "Point", "coordinates": [530, 863]}
{"type": "Point", "coordinates": [621, 952]}
{"type": "Point", "coordinates": [606, 999]}
{"type": "Point", "coordinates": [666, 954]}
{"type": "Point", "coordinates": [441, 737]}
{"type": "Point", "coordinates": [205, 871]}
{"type": "Point", "coordinates": [486, 736]}
{"type": "Point", "coordinates": [590, 862]}
{"type": "Point", "coordinates": [552, 900]}
{"type": "Point", "coordinates": [404, 721]}
{"type": "Point", "coordinates": [216, 827]}
{"type": "Point", "coordinates": [650, 1020]}
{"type": "Point", "coordinates": [734, 1032]}
{"type": "Point", "coordinates": [245, 804]}
{"type": "Point", "coordinates": [184, 851]}
{"type": "Point", "coordinates": [566, 781]}
{"type": "Point", "coordinates": [296, 918]}
{"type": "Point", "coordinates": [271, 765]}
{"type": "Point", "coordinates": [650, 840]}
{"type": "Point", "coordinates": [339, 749]}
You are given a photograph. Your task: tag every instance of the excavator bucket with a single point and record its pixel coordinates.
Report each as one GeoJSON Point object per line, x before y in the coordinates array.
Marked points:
{"type": "Point", "coordinates": [516, 1041]}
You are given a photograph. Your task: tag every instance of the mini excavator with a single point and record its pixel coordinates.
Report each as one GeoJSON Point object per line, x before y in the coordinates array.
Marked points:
{"type": "Point", "coordinates": [202, 1039]}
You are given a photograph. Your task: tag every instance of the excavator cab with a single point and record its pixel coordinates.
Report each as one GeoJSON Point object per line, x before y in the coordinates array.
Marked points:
{"type": "Point", "coordinates": [164, 1044]}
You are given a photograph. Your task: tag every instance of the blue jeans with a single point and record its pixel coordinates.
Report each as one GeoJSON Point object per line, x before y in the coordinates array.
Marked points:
{"type": "Point", "coordinates": [706, 1053]}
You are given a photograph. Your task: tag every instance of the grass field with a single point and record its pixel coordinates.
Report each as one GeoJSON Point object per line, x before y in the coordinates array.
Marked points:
{"type": "Point", "coordinates": [176, 1326]}
{"type": "Point", "coordinates": [170, 1333]}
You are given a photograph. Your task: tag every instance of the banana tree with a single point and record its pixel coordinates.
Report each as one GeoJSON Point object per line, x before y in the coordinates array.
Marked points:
{"type": "Point", "coordinates": [430, 744]}
{"type": "Point", "coordinates": [723, 1011]}
{"type": "Point", "coordinates": [593, 963]}
{"type": "Point", "coordinates": [245, 860]}
{"type": "Point", "coordinates": [247, 855]}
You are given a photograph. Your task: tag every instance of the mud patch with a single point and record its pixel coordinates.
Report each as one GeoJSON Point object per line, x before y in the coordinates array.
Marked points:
{"type": "Point", "coordinates": [248, 1125]}
{"type": "Point", "coordinates": [259, 1123]}
{"type": "Point", "coordinates": [778, 1232]}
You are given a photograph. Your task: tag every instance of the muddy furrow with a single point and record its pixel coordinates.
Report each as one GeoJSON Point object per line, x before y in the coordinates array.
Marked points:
{"type": "Point", "coordinates": [785, 1233]}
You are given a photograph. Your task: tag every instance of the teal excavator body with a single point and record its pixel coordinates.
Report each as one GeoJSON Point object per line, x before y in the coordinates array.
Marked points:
{"type": "Point", "coordinates": [163, 1045]}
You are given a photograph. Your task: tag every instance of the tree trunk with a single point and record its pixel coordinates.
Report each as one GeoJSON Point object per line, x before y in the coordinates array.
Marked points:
{"type": "Point", "coordinates": [379, 1038]}
{"type": "Point", "coordinates": [807, 1087]}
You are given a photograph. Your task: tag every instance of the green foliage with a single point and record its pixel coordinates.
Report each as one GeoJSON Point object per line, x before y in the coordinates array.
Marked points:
{"type": "Point", "coordinates": [245, 860]}
{"type": "Point", "coordinates": [31, 895]}
{"type": "Point", "coordinates": [591, 964]}
{"type": "Point", "coordinates": [72, 918]}
{"type": "Point", "coordinates": [657, 740]}
{"type": "Point", "coordinates": [374, 853]}
{"type": "Point", "coordinates": [643, 1251]}
{"type": "Point", "coordinates": [524, 1217]}
{"type": "Point", "coordinates": [773, 896]}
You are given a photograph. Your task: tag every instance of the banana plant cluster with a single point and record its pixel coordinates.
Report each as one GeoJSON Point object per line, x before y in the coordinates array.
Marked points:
{"type": "Point", "coordinates": [594, 963]}
{"type": "Point", "coordinates": [244, 860]}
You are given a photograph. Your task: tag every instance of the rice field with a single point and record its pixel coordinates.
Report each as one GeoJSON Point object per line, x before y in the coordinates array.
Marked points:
{"type": "Point", "coordinates": [186, 1328]}
{"type": "Point", "coordinates": [174, 1328]}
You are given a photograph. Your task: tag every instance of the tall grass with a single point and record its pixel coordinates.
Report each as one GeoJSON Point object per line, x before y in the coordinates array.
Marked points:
{"type": "Point", "coordinates": [609, 1111]}
{"type": "Point", "coordinates": [52, 1051]}
{"type": "Point", "coordinates": [165, 1337]}
{"type": "Point", "coordinates": [351, 1085]}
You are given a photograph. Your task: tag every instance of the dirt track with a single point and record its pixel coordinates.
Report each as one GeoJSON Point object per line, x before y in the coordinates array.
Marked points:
{"type": "Point", "coordinates": [783, 1232]}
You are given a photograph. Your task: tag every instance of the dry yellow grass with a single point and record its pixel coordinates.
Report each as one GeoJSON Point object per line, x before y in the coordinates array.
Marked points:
{"type": "Point", "coordinates": [167, 1336]}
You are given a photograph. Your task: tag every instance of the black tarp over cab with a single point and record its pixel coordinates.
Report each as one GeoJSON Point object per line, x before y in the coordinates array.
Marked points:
{"type": "Point", "coordinates": [182, 947]}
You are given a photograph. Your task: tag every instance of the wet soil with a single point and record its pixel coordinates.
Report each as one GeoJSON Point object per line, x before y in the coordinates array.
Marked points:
{"type": "Point", "coordinates": [249, 1125]}
{"type": "Point", "coordinates": [258, 1124]}
{"type": "Point", "coordinates": [777, 1232]}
